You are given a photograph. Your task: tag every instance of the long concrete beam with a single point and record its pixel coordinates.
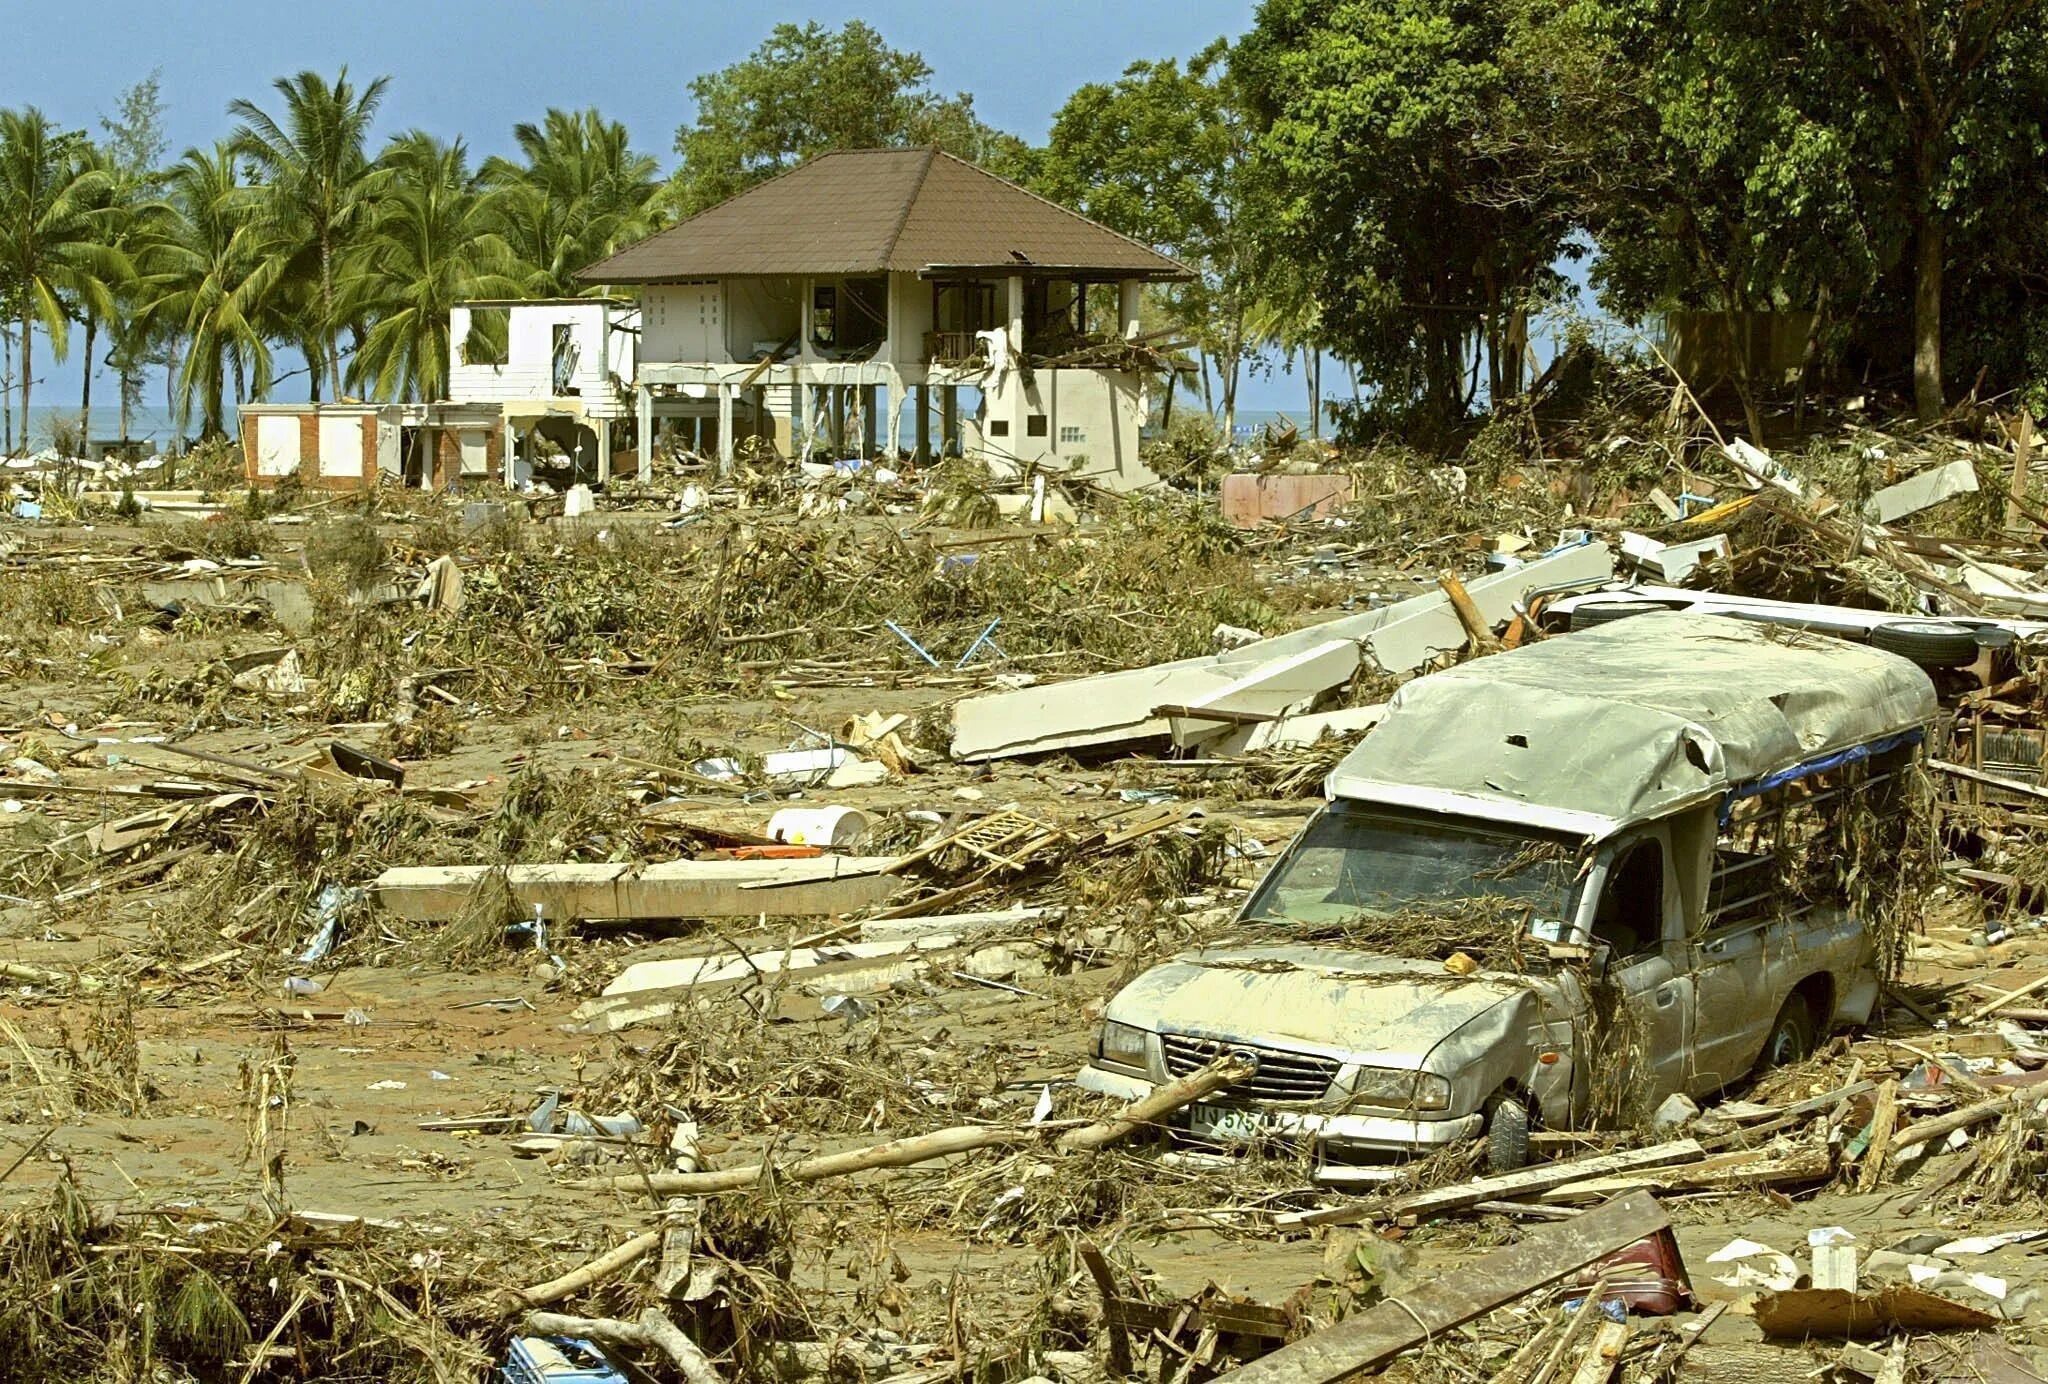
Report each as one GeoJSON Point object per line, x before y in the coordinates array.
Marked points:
{"type": "Point", "coordinates": [1111, 708]}
{"type": "Point", "coordinates": [674, 889]}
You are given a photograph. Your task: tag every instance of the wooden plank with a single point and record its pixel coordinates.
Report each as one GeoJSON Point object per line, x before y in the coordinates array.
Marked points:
{"type": "Point", "coordinates": [1240, 1318]}
{"type": "Point", "coordinates": [1603, 1354]}
{"type": "Point", "coordinates": [1989, 780]}
{"type": "Point", "coordinates": [1990, 1007]}
{"type": "Point", "coordinates": [2022, 454]}
{"type": "Point", "coordinates": [1530, 1181]}
{"type": "Point", "coordinates": [1884, 1122]}
{"type": "Point", "coordinates": [1941, 1126]}
{"type": "Point", "coordinates": [1105, 1284]}
{"type": "Point", "coordinates": [1731, 1172]}
{"type": "Point", "coordinates": [1370, 1339]}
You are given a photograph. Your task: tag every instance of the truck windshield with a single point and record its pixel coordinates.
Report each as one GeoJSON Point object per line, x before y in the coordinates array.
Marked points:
{"type": "Point", "coordinates": [1351, 862]}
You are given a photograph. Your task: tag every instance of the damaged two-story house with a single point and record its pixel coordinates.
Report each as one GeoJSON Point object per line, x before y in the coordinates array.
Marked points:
{"type": "Point", "coordinates": [890, 300]}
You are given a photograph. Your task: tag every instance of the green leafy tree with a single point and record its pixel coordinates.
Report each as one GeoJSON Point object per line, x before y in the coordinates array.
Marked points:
{"type": "Point", "coordinates": [1967, 81]}
{"type": "Point", "coordinates": [319, 184]}
{"type": "Point", "coordinates": [1404, 144]}
{"type": "Point", "coordinates": [577, 192]}
{"type": "Point", "coordinates": [52, 219]}
{"type": "Point", "coordinates": [808, 90]}
{"type": "Point", "coordinates": [207, 274]}
{"type": "Point", "coordinates": [103, 286]}
{"type": "Point", "coordinates": [134, 146]}
{"type": "Point", "coordinates": [1887, 156]}
{"type": "Point", "coordinates": [430, 245]}
{"type": "Point", "coordinates": [1161, 154]}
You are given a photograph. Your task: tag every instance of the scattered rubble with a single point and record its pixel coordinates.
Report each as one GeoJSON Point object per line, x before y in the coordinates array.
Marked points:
{"type": "Point", "coordinates": [441, 931]}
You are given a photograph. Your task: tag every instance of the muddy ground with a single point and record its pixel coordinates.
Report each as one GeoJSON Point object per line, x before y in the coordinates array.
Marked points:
{"type": "Point", "coordinates": [151, 1090]}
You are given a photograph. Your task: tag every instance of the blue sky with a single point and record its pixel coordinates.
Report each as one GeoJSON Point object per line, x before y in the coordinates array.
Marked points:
{"type": "Point", "coordinates": [474, 68]}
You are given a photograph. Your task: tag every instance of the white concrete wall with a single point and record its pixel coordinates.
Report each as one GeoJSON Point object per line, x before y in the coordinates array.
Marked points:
{"type": "Point", "coordinates": [604, 342]}
{"type": "Point", "coordinates": [910, 317]}
{"type": "Point", "coordinates": [684, 322]}
{"type": "Point", "coordinates": [389, 421]}
{"type": "Point", "coordinates": [341, 443]}
{"type": "Point", "coordinates": [277, 444]}
{"type": "Point", "coordinates": [1090, 423]}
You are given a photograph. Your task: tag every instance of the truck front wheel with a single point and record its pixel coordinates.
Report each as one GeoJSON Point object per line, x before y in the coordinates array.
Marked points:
{"type": "Point", "coordinates": [1507, 1135]}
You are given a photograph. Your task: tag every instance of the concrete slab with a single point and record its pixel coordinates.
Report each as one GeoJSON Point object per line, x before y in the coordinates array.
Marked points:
{"type": "Point", "coordinates": [1112, 708]}
{"type": "Point", "coordinates": [1923, 491]}
{"type": "Point", "coordinates": [1271, 689]}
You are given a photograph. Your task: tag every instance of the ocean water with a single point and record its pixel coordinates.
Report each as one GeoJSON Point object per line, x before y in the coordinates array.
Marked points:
{"type": "Point", "coordinates": [153, 426]}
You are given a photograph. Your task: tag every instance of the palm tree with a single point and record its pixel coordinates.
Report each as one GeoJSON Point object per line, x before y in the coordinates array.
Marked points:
{"type": "Point", "coordinates": [116, 206]}
{"type": "Point", "coordinates": [579, 194]}
{"type": "Point", "coordinates": [429, 246]}
{"type": "Point", "coordinates": [52, 215]}
{"type": "Point", "coordinates": [208, 276]}
{"type": "Point", "coordinates": [320, 181]}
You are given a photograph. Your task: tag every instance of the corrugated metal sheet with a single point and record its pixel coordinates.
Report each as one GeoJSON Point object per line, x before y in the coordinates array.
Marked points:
{"type": "Point", "coordinates": [866, 211]}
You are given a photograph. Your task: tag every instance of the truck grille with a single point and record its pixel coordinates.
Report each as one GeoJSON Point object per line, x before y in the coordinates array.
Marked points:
{"type": "Point", "coordinates": [1282, 1076]}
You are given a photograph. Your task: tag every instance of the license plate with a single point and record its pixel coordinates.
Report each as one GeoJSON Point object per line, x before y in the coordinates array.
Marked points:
{"type": "Point", "coordinates": [1226, 1124]}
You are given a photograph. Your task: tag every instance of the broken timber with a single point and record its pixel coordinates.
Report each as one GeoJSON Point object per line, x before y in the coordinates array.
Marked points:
{"type": "Point", "coordinates": [1377, 1335]}
{"type": "Point", "coordinates": [673, 889]}
{"type": "Point", "coordinates": [1503, 1187]}
{"type": "Point", "coordinates": [923, 1148]}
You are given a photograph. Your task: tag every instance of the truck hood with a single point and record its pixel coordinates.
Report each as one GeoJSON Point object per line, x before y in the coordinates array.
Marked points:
{"type": "Point", "coordinates": [1347, 1004]}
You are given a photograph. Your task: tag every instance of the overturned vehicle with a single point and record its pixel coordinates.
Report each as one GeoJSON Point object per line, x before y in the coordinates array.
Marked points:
{"type": "Point", "coordinates": [1554, 887]}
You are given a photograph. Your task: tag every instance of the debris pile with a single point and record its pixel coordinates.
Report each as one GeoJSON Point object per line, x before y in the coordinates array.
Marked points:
{"type": "Point", "coordinates": [664, 927]}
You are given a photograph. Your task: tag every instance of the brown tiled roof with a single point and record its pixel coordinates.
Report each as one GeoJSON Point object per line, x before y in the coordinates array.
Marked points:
{"type": "Point", "coordinates": [863, 211]}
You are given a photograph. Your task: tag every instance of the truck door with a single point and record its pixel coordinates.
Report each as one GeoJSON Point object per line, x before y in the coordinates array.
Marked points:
{"type": "Point", "coordinates": [1637, 920]}
{"type": "Point", "coordinates": [1737, 999]}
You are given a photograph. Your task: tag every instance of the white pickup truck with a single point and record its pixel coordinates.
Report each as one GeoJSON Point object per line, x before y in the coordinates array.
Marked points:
{"type": "Point", "coordinates": [1618, 859]}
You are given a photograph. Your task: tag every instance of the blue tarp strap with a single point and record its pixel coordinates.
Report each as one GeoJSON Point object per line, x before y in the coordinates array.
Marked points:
{"type": "Point", "coordinates": [1855, 754]}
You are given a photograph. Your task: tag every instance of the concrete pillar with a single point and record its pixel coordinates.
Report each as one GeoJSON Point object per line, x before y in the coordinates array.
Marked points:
{"type": "Point", "coordinates": [799, 413]}
{"type": "Point", "coordinates": [1129, 292]}
{"type": "Point", "coordinates": [922, 394]}
{"type": "Point", "coordinates": [870, 431]}
{"type": "Point", "coordinates": [949, 418]}
{"type": "Point", "coordinates": [1016, 315]}
{"type": "Point", "coordinates": [725, 449]}
{"type": "Point", "coordinates": [643, 412]}
{"type": "Point", "coordinates": [837, 395]}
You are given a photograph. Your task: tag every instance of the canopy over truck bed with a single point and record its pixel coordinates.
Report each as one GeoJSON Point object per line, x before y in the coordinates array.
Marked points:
{"type": "Point", "coordinates": [1629, 721]}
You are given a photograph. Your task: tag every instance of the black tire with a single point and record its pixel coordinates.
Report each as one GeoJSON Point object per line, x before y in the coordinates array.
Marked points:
{"type": "Point", "coordinates": [1585, 617]}
{"type": "Point", "coordinates": [1792, 1036]}
{"type": "Point", "coordinates": [1929, 643]}
{"type": "Point", "coordinates": [1507, 1135]}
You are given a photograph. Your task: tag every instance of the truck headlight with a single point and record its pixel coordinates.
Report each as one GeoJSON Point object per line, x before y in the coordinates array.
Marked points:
{"type": "Point", "coordinates": [1400, 1088]}
{"type": "Point", "coordinates": [1123, 1044]}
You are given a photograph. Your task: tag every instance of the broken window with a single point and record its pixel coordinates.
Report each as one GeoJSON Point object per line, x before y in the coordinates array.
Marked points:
{"type": "Point", "coordinates": [1034, 426]}
{"type": "Point", "coordinates": [999, 427]}
{"type": "Point", "coordinates": [489, 338]}
{"type": "Point", "coordinates": [562, 356]}
{"type": "Point", "coordinates": [824, 316]}
{"type": "Point", "coordinates": [1805, 842]}
{"type": "Point", "coordinates": [1350, 861]}
{"type": "Point", "coordinates": [1629, 919]}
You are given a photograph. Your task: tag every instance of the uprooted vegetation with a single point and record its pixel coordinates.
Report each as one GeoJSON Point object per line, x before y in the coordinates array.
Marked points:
{"type": "Point", "coordinates": [560, 620]}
